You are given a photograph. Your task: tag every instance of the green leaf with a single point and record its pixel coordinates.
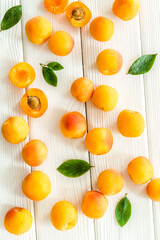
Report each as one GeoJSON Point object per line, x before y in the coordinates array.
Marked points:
{"type": "Point", "coordinates": [11, 17]}
{"type": "Point", "coordinates": [55, 66]}
{"type": "Point", "coordinates": [49, 76]}
{"type": "Point", "coordinates": [123, 211]}
{"type": "Point", "coordinates": [143, 64]}
{"type": "Point", "coordinates": [74, 168]}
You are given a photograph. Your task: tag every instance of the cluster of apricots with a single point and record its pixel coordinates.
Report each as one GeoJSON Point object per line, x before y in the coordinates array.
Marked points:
{"type": "Point", "coordinates": [37, 185]}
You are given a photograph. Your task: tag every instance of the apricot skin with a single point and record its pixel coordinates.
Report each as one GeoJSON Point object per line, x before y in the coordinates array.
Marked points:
{"type": "Point", "coordinates": [61, 43]}
{"type": "Point", "coordinates": [102, 29]}
{"type": "Point", "coordinates": [36, 186]}
{"type": "Point", "coordinates": [140, 170]}
{"type": "Point", "coordinates": [15, 130]}
{"type": "Point", "coordinates": [73, 125]}
{"type": "Point", "coordinates": [38, 30]}
{"type": "Point", "coordinates": [18, 221]}
{"type": "Point", "coordinates": [109, 62]}
{"type": "Point", "coordinates": [82, 89]}
{"type": "Point", "coordinates": [153, 189]}
{"type": "Point", "coordinates": [94, 204]}
{"type": "Point", "coordinates": [105, 98]}
{"type": "Point", "coordinates": [110, 182]}
{"type": "Point", "coordinates": [34, 153]}
{"type": "Point", "coordinates": [126, 9]}
{"type": "Point", "coordinates": [130, 123]}
{"type": "Point", "coordinates": [99, 141]}
{"type": "Point", "coordinates": [64, 215]}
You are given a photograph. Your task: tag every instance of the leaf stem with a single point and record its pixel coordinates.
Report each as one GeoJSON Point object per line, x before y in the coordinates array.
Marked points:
{"type": "Point", "coordinates": [42, 65]}
{"type": "Point", "coordinates": [126, 194]}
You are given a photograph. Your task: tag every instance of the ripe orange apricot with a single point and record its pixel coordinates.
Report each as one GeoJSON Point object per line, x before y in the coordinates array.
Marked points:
{"type": "Point", "coordinates": [78, 14]}
{"type": "Point", "coordinates": [61, 43]}
{"type": "Point", "coordinates": [18, 221]}
{"type": "Point", "coordinates": [73, 125]}
{"type": "Point", "coordinates": [153, 189]}
{"type": "Point", "coordinates": [110, 182]}
{"type": "Point", "coordinates": [126, 9]}
{"type": "Point", "coordinates": [109, 62]}
{"type": "Point", "coordinates": [38, 30]}
{"type": "Point", "coordinates": [64, 215]}
{"type": "Point", "coordinates": [56, 6]}
{"type": "Point", "coordinates": [15, 130]}
{"type": "Point", "coordinates": [82, 89]}
{"type": "Point", "coordinates": [34, 103]}
{"type": "Point", "coordinates": [102, 29]}
{"type": "Point", "coordinates": [36, 186]}
{"type": "Point", "coordinates": [105, 98]}
{"type": "Point", "coordinates": [22, 75]}
{"type": "Point", "coordinates": [34, 153]}
{"type": "Point", "coordinates": [140, 170]}
{"type": "Point", "coordinates": [94, 204]}
{"type": "Point", "coordinates": [130, 123]}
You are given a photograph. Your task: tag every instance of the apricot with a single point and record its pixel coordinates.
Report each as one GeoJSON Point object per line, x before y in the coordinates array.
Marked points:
{"type": "Point", "coordinates": [38, 30]}
{"type": "Point", "coordinates": [140, 170]}
{"type": "Point", "coordinates": [109, 62]}
{"type": "Point", "coordinates": [36, 186]}
{"type": "Point", "coordinates": [105, 98]}
{"type": "Point", "coordinates": [56, 6]}
{"type": "Point", "coordinates": [15, 130]}
{"type": "Point", "coordinates": [82, 89]}
{"type": "Point", "coordinates": [102, 29]}
{"type": "Point", "coordinates": [22, 75]}
{"type": "Point", "coordinates": [153, 189]}
{"type": "Point", "coordinates": [99, 141]}
{"type": "Point", "coordinates": [130, 123]}
{"type": "Point", "coordinates": [126, 9]}
{"type": "Point", "coordinates": [34, 103]}
{"type": "Point", "coordinates": [34, 153]}
{"type": "Point", "coordinates": [61, 43]}
{"type": "Point", "coordinates": [78, 14]}
{"type": "Point", "coordinates": [18, 221]}
{"type": "Point", "coordinates": [94, 204]}
{"type": "Point", "coordinates": [110, 182]}
{"type": "Point", "coordinates": [64, 215]}
{"type": "Point", "coordinates": [73, 125]}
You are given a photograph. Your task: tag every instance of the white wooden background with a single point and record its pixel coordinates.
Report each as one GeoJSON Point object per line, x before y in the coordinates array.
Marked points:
{"type": "Point", "coordinates": [133, 38]}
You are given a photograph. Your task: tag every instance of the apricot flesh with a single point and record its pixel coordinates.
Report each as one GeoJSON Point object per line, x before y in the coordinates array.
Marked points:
{"type": "Point", "coordinates": [56, 6]}
{"type": "Point", "coordinates": [99, 141]}
{"type": "Point", "coordinates": [38, 30]}
{"type": "Point", "coordinates": [94, 204]}
{"type": "Point", "coordinates": [36, 186]}
{"type": "Point", "coordinates": [109, 62]}
{"type": "Point", "coordinates": [130, 123]}
{"type": "Point", "coordinates": [82, 89]}
{"type": "Point", "coordinates": [18, 221]}
{"type": "Point", "coordinates": [153, 189]}
{"type": "Point", "coordinates": [105, 98]}
{"type": "Point", "coordinates": [73, 125]}
{"type": "Point", "coordinates": [34, 153]}
{"type": "Point", "coordinates": [102, 29]}
{"type": "Point", "coordinates": [110, 182]}
{"type": "Point", "coordinates": [64, 215]}
{"type": "Point", "coordinates": [140, 170]}
{"type": "Point", "coordinates": [15, 130]}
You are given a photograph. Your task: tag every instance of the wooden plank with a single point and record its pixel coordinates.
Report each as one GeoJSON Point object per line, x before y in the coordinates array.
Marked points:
{"type": "Point", "coordinates": [47, 127]}
{"type": "Point", "coordinates": [13, 169]}
{"type": "Point", "coordinates": [150, 35]}
{"type": "Point", "coordinates": [126, 40]}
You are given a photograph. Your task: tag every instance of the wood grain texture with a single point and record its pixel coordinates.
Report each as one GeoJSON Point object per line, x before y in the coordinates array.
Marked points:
{"type": "Point", "coordinates": [13, 169]}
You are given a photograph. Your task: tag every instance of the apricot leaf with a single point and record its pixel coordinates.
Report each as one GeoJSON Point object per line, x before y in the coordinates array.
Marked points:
{"type": "Point", "coordinates": [11, 17]}
{"type": "Point", "coordinates": [143, 64]}
{"type": "Point", "coordinates": [49, 76]}
{"type": "Point", "coordinates": [123, 211]}
{"type": "Point", "coordinates": [74, 168]}
{"type": "Point", "coordinates": [55, 66]}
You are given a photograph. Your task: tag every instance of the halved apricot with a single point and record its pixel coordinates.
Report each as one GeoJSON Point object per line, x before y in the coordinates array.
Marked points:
{"type": "Point", "coordinates": [22, 75]}
{"type": "Point", "coordinates": [34, 103]}
{"type": "Point", "coordinates": [78, 14]}
{"type": "Point", "coordinates": [56, 6]}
